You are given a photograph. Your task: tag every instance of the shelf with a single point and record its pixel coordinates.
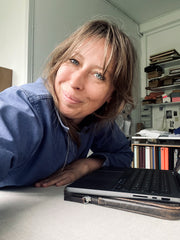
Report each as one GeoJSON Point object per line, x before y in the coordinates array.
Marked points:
{"type": "Point", "coordinates": [161, 138]}
{"type": "Point", "coordinates": [163, 76]}
{"type": "Point", "coordinates": [164, 87]}
{"type": "Point", "coordinates": [154, 145]}
{"type": "Point", "coordinates": [161, 104]}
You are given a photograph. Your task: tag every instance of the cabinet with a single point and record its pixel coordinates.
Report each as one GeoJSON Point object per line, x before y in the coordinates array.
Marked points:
{"type": "Point", "coordinates": [5, 78]}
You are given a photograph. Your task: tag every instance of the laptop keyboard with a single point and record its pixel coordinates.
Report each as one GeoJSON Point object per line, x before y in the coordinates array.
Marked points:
{"type": "Point", "coordinates": [145, 181]}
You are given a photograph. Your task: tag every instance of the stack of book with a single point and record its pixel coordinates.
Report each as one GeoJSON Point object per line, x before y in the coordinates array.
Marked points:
{"type": "Point", "coordinates": [175, 72]}
{"type": "Point", "coordinates": [164, 56]}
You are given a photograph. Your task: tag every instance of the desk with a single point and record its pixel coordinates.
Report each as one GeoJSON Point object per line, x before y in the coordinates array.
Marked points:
{"type": "Point", "coordinates": [156, 138]}
{"type": "Point", "coordinates": [42, 214]}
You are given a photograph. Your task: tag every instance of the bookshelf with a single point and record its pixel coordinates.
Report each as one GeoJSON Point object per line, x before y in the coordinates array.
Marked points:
{"type": "Point", "coordinates": [163, 98]}
{"type": "Point", "coordinates": [162, 92]}
{"type": "Point", "coordinates": [162, 153]}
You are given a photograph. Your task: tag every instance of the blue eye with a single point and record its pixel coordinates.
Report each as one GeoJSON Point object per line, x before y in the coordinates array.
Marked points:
{"type": "Point", "coordinates": [99, 76]}
{"type": "Point", "coordinates": [74, 61]}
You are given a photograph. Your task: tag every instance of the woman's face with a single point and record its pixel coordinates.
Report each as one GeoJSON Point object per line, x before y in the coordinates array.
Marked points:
{"type": "Point", "coordinates": [80, 85]}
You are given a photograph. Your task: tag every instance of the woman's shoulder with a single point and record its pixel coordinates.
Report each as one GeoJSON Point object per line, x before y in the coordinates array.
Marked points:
{"type": "Point", "coordinates": [35, 89]}
{"type": "Point", "coordinates": [30, 93]}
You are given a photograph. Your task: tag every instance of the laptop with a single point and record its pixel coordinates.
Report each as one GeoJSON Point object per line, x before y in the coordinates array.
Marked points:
{"type": "Point", "coordinates": [131, 183]}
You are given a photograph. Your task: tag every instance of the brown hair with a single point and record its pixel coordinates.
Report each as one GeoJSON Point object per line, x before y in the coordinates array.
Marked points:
{"type": "Point", "coordinates": [122, 58]}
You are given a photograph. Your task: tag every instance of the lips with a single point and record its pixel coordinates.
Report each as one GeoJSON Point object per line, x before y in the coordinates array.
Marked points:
{"type": "Point", "coordinates": [71, 99]}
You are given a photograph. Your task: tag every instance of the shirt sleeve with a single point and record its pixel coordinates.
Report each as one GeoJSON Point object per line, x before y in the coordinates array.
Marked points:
{"type": "Point", "coordinates": [19, 130]}
{"type": "Point", "coordinates": [112, 145]}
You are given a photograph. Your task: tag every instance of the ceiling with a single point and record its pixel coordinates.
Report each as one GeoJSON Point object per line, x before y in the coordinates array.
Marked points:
{"type": "Point", "coordinates": [142, 11]}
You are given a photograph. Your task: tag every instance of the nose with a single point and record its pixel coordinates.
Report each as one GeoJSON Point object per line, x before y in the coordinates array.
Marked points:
{"type": "Point", "coordinates": [78, 80]}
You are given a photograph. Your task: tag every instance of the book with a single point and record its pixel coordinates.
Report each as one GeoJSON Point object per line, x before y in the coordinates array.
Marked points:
{"type": "Point", "coordinates": [162, 158]}
{"type": "Point", "coordinates": [151, 157]}
{"type": "Point", "coordinates": [165, 53]}
{"type": "Point", "coordinates": [156, 158]}
{"type": "Point", "coordinates": [147, 157]}
{"type": "Point", "coordinates": [164, 56]}
{"type": "Point", "coordinates": [171, 158]}
{"type": "Point", "coordinates": [174, 70]}
{"type": "Point", "coordinates": [159, 157]}
{"type": "Point", "coordinates": [136, 156]}
{"type": "Point", "coordinates": [166, 158]}
{"type": "Point", "coordinates": [141, 157]}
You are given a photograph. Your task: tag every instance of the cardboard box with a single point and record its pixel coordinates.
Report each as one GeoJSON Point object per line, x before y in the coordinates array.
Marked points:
{"type": "Point", "coordinates": [5, 78]}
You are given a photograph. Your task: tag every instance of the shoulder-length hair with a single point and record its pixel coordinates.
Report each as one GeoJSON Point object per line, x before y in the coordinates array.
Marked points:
{"type": "Point", "coordinates": [122, 60]}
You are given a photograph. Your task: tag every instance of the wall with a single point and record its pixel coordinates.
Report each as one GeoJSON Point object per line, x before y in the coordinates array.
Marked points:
{"type": "Point", "coordinates": [13, 40]}
{"type": "Point", "coordinates": [160, 35]}
{"type": "Point", "coordinates": [55, 20]}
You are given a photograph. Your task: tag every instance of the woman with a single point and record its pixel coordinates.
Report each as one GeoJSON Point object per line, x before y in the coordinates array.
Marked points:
{"type": "Point", "coordinates": [48, 127]}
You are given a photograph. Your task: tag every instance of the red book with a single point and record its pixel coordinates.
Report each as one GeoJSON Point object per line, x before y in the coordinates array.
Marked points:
{"type": "Point", "coordinates": [162, 158]}
{"type": "Point", "coordinates": [166, 158]}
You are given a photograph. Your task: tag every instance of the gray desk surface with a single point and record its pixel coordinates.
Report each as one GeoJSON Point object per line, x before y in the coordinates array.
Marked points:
{"type": "Point", "coordinates": [42, 214]}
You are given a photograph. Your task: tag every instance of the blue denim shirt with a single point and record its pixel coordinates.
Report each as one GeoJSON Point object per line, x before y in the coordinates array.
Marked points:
{"type": "Point", "coordinates": [34, 143]}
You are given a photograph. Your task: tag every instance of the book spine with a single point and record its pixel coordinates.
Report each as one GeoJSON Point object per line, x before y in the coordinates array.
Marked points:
{"type": "Point", "coordinates": [166, 158]}
{"type": "Point", "coordinates": [143, 157]}
{"type": "Point", "coordinates": [140, 157]}
{"type": "Point", "coordinates": [151, 157]}
{"type": "Point", "coordinates": [147, 157]}
{"type": "Point", "coordinates": [136, 158]}
{"type": "Point", "coordinates": [159, 157]}
{"type": "Point", "coordinates": [171, 158]}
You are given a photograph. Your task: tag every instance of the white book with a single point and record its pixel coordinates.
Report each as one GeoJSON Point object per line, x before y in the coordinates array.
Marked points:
{"type": "Point", "coordinates": [147, 157]}
{"type": "Point", "coordinates": [136, 156]}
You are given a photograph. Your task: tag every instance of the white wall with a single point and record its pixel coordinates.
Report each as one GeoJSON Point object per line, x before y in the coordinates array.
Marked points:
{"type": "Point", "coordinates": [160, 35]}
{"type": "Point", "coordinates": [55, 20]}
{"type": "Point", "coordinates": [13, 38]}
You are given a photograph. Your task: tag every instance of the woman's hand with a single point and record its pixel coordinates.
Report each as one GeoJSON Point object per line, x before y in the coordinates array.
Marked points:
{"type": "Point", "coordinates": [71, 172]}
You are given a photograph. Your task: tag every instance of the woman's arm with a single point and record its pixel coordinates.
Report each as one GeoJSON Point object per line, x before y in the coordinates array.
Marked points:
{"type": "Point", "coordinates": [71, 172]}
{"type": "Point", "coordinates": [110, 148]}
{"type": "Point", "coordinates": [19, 130]}
{"type": "Point", "coordinates": [113, 145]}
